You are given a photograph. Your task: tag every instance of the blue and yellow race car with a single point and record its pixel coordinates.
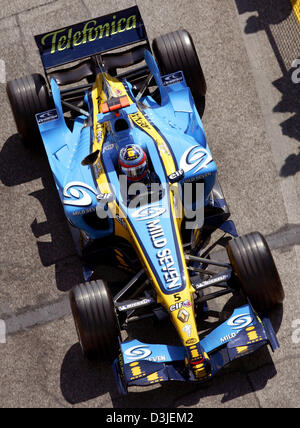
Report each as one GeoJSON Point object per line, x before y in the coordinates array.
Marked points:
{"type": "Point", "coordinates": [120, 122]}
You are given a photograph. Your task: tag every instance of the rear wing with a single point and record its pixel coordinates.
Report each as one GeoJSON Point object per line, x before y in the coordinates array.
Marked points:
{"type": "Point", "coordinates": [91, 37]}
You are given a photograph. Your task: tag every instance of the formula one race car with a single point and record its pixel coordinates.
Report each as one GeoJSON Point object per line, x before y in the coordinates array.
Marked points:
{"type": "Point", "coordinates": [140, 192]}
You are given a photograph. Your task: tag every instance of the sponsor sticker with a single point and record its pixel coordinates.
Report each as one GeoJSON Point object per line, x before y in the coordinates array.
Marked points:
{"type": "Point", "coordinates": [228, 337]}
{"type": "Point", "coordinates": [239, 322]}
{"type": "Point", "coordinates": [187, 329]}
{"type": "Point", "coordinates": [83, 212]}
{"type": "Point", "coordinates": [108, 147]}
{"type": "Point", "coordinates": [176, 176]}
{"type": "Point", "coordinates": [97, 169]}
{"type": "Point", "coordinates": [90, 37]}
{"type": "Point", "coordinates": [105, 197]}
{"type": "Point", "coordinates": [191, 341]}
{"type": "Point", "coordinates": [172, 79]}
{"type": "Point", "coordinates": [183, 315]}
{"type": "Point", "coordinates": [138, 352]}
{"type": "Point", "coordinates": [75, 193]}
{"type": "Point", "coordinates": [148, 213]}
{"type": "Point", "coordinates": [142, 352]}
{"type": "Point", "coordinates": [194, 159]}
{"type": "Point", "coordinates": [133, 305]}
{"type": "Point", "coordinates": [179, 305]}
{"type": "Point", "coordinates": [166, 261]}
{"type": "Point", "coordinates": [47, 116]}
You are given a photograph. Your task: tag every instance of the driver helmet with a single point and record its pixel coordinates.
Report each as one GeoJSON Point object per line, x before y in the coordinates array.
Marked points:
{"type": "Point", "coordinates": [133, 162]}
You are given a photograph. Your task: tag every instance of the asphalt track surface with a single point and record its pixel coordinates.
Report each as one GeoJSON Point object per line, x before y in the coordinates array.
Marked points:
{"type": "Point", "coordinates": [252, 121]}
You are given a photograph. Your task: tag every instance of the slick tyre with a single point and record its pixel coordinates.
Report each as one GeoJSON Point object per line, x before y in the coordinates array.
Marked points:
{"type": "Point", "coordinates": [95, 320]}
{"type": "Point", "coordinates": [176, 51]}
{"type": "Point", "coordinates": [255, 269]}
{"type": "Point", "coordinates": [28, 96]}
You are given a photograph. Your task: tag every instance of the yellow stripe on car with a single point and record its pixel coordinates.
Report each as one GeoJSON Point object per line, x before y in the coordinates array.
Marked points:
{"type": "Point", "coordinates": [296, 8]}
{"type": "Point", "coordinates": [98, 97]}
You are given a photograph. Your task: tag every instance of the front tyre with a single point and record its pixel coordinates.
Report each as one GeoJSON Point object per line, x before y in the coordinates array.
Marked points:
{"type": "Point", "coordinates": [254, 266]}
{"type": "Point", "coordinates": [95, 320]}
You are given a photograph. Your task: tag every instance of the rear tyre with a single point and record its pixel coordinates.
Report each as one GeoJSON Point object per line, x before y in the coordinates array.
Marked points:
{"type": "Point", "coordinates": [28, 96]}
{"type": "Point", "coordinates": [176, 51]}
{"type": "Point", "coordinates": [255, 269]}
{"type": "Point", "coordinates": [95, 320]}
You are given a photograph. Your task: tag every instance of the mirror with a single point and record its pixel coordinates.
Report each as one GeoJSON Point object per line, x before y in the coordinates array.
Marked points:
{"type": "Point", "coordinates": [91, 158]}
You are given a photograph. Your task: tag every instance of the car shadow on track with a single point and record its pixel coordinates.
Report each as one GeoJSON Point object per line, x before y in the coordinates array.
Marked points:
{"type": "Point", "coordinates": [269, 17]}
{"type": "Point", "coordinates": [290, 103]}
{"type": "Point", "coordinates": [269, 12]}
{"type": "Point", "coordinates": [18, 166]}
{"type": "Point", "coordinates": [82, 381]}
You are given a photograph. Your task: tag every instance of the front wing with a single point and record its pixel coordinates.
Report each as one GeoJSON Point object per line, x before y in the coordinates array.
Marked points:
{"type": "Point", "coordinates": [143, 364]}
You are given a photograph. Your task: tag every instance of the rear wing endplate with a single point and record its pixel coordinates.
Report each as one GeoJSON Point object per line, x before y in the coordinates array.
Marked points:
{"type": "Point", "coordinates": [91, 37]}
